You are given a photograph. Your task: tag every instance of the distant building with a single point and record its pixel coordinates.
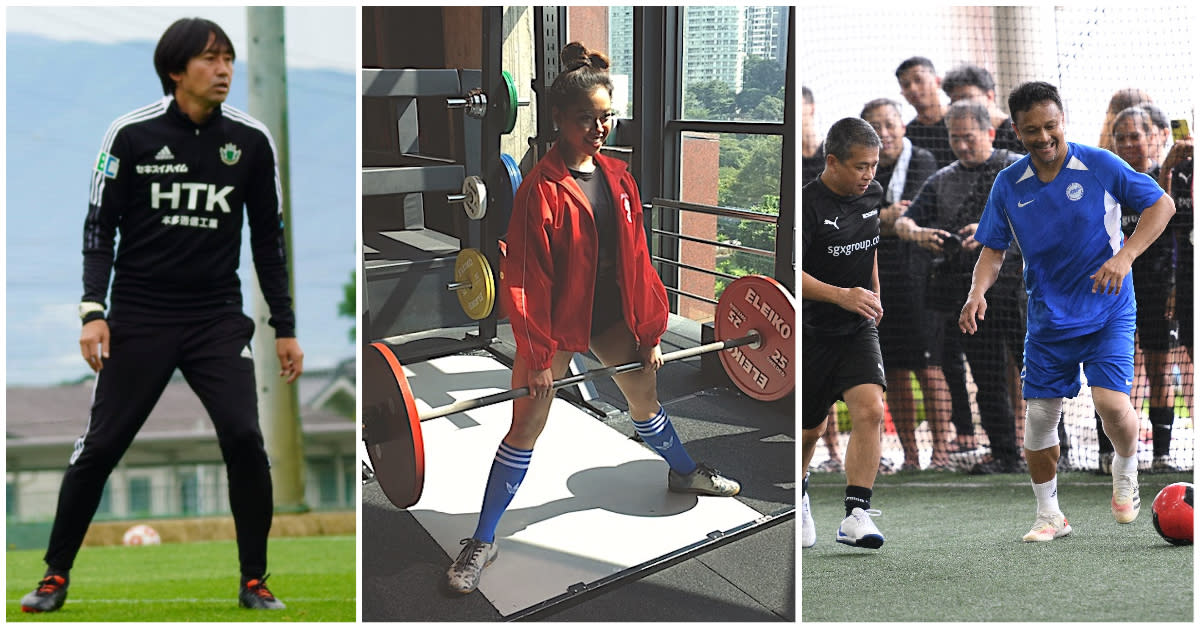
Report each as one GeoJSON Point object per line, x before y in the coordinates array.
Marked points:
{"type": "Point", "coordinates": [766, 33]}
{"type": "Point", "coordinates": [620, 53]}
{"type": "Point", "coordinates": [717, 40]}
{"type": "Point", "coordinates": [715, 45]}
{"type": "Point", "coordinates": [174, 467]}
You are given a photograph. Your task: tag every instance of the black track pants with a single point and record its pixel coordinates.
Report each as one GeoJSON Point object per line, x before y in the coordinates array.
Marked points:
{"type": "Point", "coordinates": [213, 357]}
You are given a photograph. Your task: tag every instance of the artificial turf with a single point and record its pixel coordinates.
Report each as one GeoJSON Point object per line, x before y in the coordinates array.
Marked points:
{"type": "Point", "coordinates": [313, 576]}
{"type": "Point", "coordinates": [953, 552]}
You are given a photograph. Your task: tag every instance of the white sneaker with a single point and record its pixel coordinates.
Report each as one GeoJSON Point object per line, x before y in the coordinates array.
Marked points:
{"type": "Point", "coordinates": [463, 574]}
{"type": "Point", "coordinates": [703, 480]}
{"type": "Point", "coordinates": [858, 529]}
{"type": "Point", "coordinates": [808, 527]}
{"type": "Point", "coordinates": [1126, 502]}
{"type": "Point", "coordinates": [1047, 527]}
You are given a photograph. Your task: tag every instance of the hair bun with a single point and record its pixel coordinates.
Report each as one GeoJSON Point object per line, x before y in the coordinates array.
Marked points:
{"type": "Point", "coordinates": [575, 55]}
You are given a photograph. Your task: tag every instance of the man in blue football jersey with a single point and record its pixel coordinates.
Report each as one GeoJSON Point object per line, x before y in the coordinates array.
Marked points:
{"type": "Point", "coordinates": [1062, 203]}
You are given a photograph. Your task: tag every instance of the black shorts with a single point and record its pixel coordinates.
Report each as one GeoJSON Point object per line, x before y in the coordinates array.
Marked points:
{"type": "Point", "coordinates": [1151, 291]}
{"type": "Point", "coordinates": [606, 308]}
{"type": "Point", "coordinates": [834, 364]}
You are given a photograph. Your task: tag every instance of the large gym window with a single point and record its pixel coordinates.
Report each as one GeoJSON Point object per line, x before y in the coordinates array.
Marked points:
{"type": "Point", "coordinates": [734, 62]}
{"type": "Point", "coordinates": [724, 166]}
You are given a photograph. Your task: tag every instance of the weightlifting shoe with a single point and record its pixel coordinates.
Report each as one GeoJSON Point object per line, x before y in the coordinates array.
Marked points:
{"type": "Point", "coordinates": [703, 480]}
{"type": "Point", "coordinates": [255, 594]}
{"type": "Point", "coordinates": [1126, 502]}
{"type": "Point", "coordinates": [463, 575]}
{"type": "Point", "coordinates": [808, 526]}
{"type": "Point", "coordinates": [48, 597]}
{"type": "Point", "coordinates": [858, 529]}
{"type": "Point", "coordinates": [1047, 527]}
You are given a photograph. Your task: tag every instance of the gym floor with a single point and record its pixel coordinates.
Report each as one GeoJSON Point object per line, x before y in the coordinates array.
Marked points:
{"type": "Point", "coordinates": [752, 578]}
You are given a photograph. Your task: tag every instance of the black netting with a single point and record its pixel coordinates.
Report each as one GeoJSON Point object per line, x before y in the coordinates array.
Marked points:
{"type": "Point", "coordinates": [966, 391]}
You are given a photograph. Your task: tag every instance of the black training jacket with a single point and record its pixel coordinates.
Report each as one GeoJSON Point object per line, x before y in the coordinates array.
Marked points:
{"type": "Point", "coordinates": [174, 191]}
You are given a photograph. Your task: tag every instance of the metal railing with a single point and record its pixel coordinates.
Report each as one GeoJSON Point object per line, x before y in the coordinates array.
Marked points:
{"type": "Point", "coordinates": [710, 210]}
{"type": "Point", "coordinates": [725, 245]}
{"type": "Point", "coordinates": [713, 210]}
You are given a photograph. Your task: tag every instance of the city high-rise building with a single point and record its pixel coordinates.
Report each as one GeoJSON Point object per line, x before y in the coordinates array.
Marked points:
{"type": "Point", "coordinates": [714, 45]}
{"type": "Point", "coordinates": [620, 53]}
{"type": "Point", "coordinates": [766, 32]}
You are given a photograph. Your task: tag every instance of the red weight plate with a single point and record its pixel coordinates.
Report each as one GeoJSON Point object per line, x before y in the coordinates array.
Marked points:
{"type": "Point", "coordinates": [755, 302]}
{"type": "Point", "coordinates": [392, 427]}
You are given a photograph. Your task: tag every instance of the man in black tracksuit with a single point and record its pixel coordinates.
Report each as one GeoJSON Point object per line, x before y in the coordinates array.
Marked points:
{"type": "Point", "coordinates": [172, 178]}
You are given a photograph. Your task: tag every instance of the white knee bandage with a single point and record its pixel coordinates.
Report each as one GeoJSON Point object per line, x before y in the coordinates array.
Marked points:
{"type": "Point", "coordinates": [1041, 423]}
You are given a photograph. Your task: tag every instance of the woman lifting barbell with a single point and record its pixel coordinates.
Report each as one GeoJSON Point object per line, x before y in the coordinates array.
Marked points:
{"type": "Point", "coordinates": [575, 239]}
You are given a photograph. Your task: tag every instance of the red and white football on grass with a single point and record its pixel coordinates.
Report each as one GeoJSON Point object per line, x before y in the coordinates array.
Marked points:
{"type": "Point", "coordinates": [1173, 513]}
{"type": "Point", "coordinates": [141, 534]}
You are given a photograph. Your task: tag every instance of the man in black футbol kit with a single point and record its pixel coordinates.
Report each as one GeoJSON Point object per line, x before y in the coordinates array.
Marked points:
{"type": "Point", "coordinates": [840, 301]}
{"type": "Point", "coordinates": [172, 178]}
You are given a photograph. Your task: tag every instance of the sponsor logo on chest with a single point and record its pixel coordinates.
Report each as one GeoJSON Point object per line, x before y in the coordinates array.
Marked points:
{"type": "Point", "coordinates": [162, 168]}
{"type": "Point", "coordinates": [190, 196]}
{"type": "Point", "coordinates": [838, 250]}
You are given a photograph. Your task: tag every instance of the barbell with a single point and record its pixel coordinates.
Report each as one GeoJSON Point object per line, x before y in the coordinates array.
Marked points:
{"type": "Point", "coordinates": [754, 316]}
{"type": "Point", "coordinates": [474, 195]}
{"type": "Point", "coordinates": [475, 103]}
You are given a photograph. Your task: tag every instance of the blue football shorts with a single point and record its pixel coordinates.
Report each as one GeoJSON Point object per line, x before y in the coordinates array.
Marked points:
{"type": "Point", "coordinates": [1052, 366]}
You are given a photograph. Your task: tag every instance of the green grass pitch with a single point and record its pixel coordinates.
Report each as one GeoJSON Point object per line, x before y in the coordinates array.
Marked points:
{"type": "Point", "coordinates": [313, 576]}
{"type": "Point", "coordinates": [953, 552]}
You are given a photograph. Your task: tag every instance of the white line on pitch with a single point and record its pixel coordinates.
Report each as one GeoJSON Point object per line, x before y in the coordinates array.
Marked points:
{"type": "Point", "coordinates": [224, 600]}
{"type": "Point", "coordinates": [953, 484]}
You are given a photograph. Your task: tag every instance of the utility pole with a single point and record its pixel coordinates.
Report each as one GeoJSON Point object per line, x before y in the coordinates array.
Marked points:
{"type": "Point", "coordinates": [278, 402]}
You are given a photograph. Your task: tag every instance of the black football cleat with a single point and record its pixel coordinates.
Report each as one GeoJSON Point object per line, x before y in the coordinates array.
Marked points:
{"type": "Point", "coordinates": [47, 597]}
{"type": "Point", "coordinates": [255, 594]}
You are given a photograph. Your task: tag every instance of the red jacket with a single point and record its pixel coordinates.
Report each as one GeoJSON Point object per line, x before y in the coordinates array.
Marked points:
{"type": "Point", "coordinates": [549, 274]}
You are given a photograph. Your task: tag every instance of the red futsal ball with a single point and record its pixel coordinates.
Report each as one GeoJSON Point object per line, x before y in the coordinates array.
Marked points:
{"type": "Point", "coordinates": [1173, 513]}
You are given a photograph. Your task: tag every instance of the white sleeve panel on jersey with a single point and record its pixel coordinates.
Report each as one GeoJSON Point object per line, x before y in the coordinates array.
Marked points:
{"type": "Point", "coordinates": [1132, 189]}
{"type": "Point", "coordinates": [152, 110]}
{"type": "Point", "coordinates": [1112, 222]}
{"type": "Point", "coordinates": [238, 115]}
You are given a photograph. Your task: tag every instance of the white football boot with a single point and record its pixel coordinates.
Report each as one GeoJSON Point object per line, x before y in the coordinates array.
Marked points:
{"type": "Point", "coordinates": [858, 529]}
{"type": "Point", "coordinates": [1126, 502]}
{"type": "Point", "coordinates": [1047, 527]}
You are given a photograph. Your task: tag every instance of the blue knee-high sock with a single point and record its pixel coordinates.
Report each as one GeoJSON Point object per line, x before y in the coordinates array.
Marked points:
{"type": "Point", "coordinates": [660, 434]}
{"type": "Point", "coordinates": [508, 470]}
